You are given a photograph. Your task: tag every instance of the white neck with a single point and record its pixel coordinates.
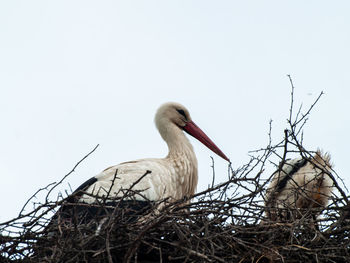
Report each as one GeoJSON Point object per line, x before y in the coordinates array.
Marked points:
{"type": "Point", "coordinates": [183, 159]}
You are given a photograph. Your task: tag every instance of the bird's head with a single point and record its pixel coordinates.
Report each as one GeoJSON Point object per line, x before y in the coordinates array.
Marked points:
{"type": "Point", "coordinates": [172, 116]}
{"type": "Point", "coordinates": [172, 113]}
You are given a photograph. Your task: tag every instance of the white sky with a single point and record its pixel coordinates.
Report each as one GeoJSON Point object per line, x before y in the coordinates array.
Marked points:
{"type": "Point", "coordinates": [77, 73]}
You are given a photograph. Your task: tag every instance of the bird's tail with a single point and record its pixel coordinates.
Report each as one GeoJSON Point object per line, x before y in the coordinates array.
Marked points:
{"type": "Point", "coordinates": [323, 183]}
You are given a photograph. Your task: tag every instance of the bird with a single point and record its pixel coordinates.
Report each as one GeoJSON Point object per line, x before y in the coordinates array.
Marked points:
{"type": "Point", "coordinates": [142, 181]}
{"type": "Point", "coordinates": [302, 185]}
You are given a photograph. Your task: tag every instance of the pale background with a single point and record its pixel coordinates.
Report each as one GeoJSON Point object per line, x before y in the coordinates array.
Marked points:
{"type": "Point", "coordinates": [74, 74]}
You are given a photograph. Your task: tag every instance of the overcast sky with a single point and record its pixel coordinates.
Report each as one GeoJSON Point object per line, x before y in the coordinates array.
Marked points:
{"type": "Point", "coordinates": [74, 74]}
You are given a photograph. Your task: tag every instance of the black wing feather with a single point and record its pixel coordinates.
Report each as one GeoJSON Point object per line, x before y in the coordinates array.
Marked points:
{"type": "Point", "coordinates": [75, 212]}
{"type": "Point", "coordinates": [296, 167]}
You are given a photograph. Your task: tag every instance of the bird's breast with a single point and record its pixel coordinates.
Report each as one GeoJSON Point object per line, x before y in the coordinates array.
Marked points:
{"type": "Point", "coordinates": [153, 180]}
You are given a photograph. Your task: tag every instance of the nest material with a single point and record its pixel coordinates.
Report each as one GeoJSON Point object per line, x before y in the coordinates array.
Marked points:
{"type": "Point", "coordinates": [221, 224]}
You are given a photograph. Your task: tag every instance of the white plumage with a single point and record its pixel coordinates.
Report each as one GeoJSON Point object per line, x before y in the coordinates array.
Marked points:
{"type": "Point", "coordinates": [301, 184]}
{"type": "Point", "coordinates": [173, 177]}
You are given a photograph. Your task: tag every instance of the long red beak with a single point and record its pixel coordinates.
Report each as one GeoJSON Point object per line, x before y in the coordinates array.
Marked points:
{"type": "Point", "coordinates": [192, 129]}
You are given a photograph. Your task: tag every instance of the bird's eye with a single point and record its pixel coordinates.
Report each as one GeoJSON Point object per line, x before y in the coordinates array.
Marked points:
{"type": "Point", "coordinates": [182, 113]}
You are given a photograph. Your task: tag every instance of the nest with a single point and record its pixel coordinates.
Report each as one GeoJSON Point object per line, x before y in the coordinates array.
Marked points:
{"type": "Point", "coordinates": [224, 223]}
{"type": "Point", "coordinates": [221, 224]}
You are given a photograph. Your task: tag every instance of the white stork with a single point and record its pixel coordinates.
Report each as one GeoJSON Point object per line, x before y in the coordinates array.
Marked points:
{"type": "Point", "coordinates": [172, 177]}
{"type": "Point", "coordinates": [301, 185]}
